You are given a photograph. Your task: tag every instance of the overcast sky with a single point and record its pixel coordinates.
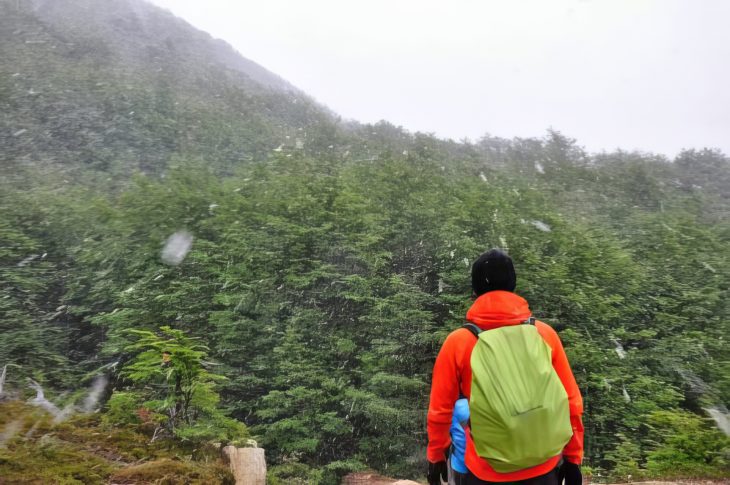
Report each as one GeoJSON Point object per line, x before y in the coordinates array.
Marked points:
{"type": "Point", "coordinates": [652, 75]}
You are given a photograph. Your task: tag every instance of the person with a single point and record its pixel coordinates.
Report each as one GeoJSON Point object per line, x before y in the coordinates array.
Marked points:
{"type": "Point", "coordinates": [496, 306]}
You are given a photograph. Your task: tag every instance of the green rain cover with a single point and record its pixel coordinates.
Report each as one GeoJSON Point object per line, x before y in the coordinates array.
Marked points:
{"type": "Point", "coordinates": [519, 408]}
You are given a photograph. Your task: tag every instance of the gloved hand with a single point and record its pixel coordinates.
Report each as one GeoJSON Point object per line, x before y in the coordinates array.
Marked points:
{"type": "Point", "coordinates": [437, 472]}
{"type": "Point", "coordinates": [571, 473]}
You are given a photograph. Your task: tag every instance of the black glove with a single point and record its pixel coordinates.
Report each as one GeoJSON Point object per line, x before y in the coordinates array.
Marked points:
{"type": "Point", "coordinates": [437, 472]}
{"type": "Point", "coordinates": [571, 473]}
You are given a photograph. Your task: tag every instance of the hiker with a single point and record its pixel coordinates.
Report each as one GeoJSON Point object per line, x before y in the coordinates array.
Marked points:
{"type": "Point", "coordinates": [525, 407]}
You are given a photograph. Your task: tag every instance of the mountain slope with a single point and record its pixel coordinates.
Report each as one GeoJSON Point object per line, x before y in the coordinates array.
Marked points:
{"type": "Point", "coordinates": [121, 85]}
{"type": "Point", "coordinates": [129, 28]}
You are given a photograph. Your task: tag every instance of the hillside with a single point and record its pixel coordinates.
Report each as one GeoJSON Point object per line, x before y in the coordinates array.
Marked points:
{"type": "Point", "coordinates": [119, 86]}
{"type": "Point", "coordinates": [239, 262]}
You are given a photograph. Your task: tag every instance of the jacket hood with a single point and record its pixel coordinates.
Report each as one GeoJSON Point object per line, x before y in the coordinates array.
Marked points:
{"type": "Point", "coordinates": [498, 308]}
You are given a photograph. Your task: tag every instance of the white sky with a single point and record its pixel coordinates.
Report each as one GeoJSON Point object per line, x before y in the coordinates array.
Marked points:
{"type": "Point", "coordinates": [652, 75]}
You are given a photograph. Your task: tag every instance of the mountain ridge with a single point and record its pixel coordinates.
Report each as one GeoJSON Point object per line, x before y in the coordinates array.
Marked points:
{"type": "Point", "coordinates": [139, 20]}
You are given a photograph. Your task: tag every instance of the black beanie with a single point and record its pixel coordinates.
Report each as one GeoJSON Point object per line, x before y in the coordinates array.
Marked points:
{"type": "Point", "coordinates": [493, 270]}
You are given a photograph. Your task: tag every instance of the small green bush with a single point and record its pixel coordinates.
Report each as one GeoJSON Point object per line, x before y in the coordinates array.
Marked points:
{"type": "Point", "coordinates": [688, 446]}
{"type": "Point", "coordinates": [294, 473]}
{"type": "Point", "coordinates": [122, 409]}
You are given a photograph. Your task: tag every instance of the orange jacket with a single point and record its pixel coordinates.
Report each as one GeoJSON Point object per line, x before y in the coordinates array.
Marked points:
{"type": "Point", "coordinates": [492, 310]}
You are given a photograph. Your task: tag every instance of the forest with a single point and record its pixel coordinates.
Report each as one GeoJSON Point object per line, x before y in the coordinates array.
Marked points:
{"type": "Point", "coordinates": [220, 261]}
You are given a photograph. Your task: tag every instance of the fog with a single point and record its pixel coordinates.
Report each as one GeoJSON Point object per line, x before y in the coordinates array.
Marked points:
{"type": "Point", "coordinates": [648, 75]}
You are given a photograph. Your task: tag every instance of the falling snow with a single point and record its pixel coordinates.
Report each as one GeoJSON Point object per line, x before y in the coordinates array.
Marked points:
{"type": "Point", "coordinates": [41, 401]}
{"type": "Point", "coordinates": [708, 267]}
{"type": "Point", "coordinates": [176, 248]}
{"type": "Point", "coordinates": [27, 260]}
{"type": "Point", "coordinates": [720, 415]}
{"type": "Point", "coordinates": [11, 429]}
{"type": "Point", "coordinates": [619, 349]}
{"type": "Point", "coordinates": [95, 393]}
{"type": "Point", "coordinates": [89, 404]}
{"type": "Point", "coordinates": [541, 226]}
{"type": "Point", "coordinates": [695, 382]}
{"type": "Point", "coordinates": [2, 378]}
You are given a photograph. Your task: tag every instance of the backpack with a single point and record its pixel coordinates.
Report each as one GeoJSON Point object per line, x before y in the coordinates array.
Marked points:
{"type": "Point", "coordinates": [519, 408]}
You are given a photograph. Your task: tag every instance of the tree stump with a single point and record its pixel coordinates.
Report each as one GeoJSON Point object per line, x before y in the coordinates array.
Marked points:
{"type": "Point", "coordinates": [247, 464]}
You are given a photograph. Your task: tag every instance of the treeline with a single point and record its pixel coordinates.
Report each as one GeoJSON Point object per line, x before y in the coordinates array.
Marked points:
{"type": "Point", "coordinates": [323, 287]}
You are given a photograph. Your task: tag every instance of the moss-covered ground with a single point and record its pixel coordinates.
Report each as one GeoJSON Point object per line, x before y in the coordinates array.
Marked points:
{"type": "Point", "coordinates": [83, 450]}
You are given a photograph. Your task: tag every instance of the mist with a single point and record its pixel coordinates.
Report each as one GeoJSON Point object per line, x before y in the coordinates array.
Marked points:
{"type": "Point", "coordinates": [646, 75]}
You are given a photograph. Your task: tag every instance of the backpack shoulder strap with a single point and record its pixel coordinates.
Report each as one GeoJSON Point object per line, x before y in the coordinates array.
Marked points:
{"type": "Point", "coordinates": [474, 331]}
{"type": "Point", "coordinates": [472, 328]}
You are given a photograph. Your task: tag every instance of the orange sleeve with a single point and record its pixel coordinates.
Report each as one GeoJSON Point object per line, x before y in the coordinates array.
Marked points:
{"type": "Point", "coordinates": [444, 393]}
{"type": "Point", "coordinates": [573, 451]}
